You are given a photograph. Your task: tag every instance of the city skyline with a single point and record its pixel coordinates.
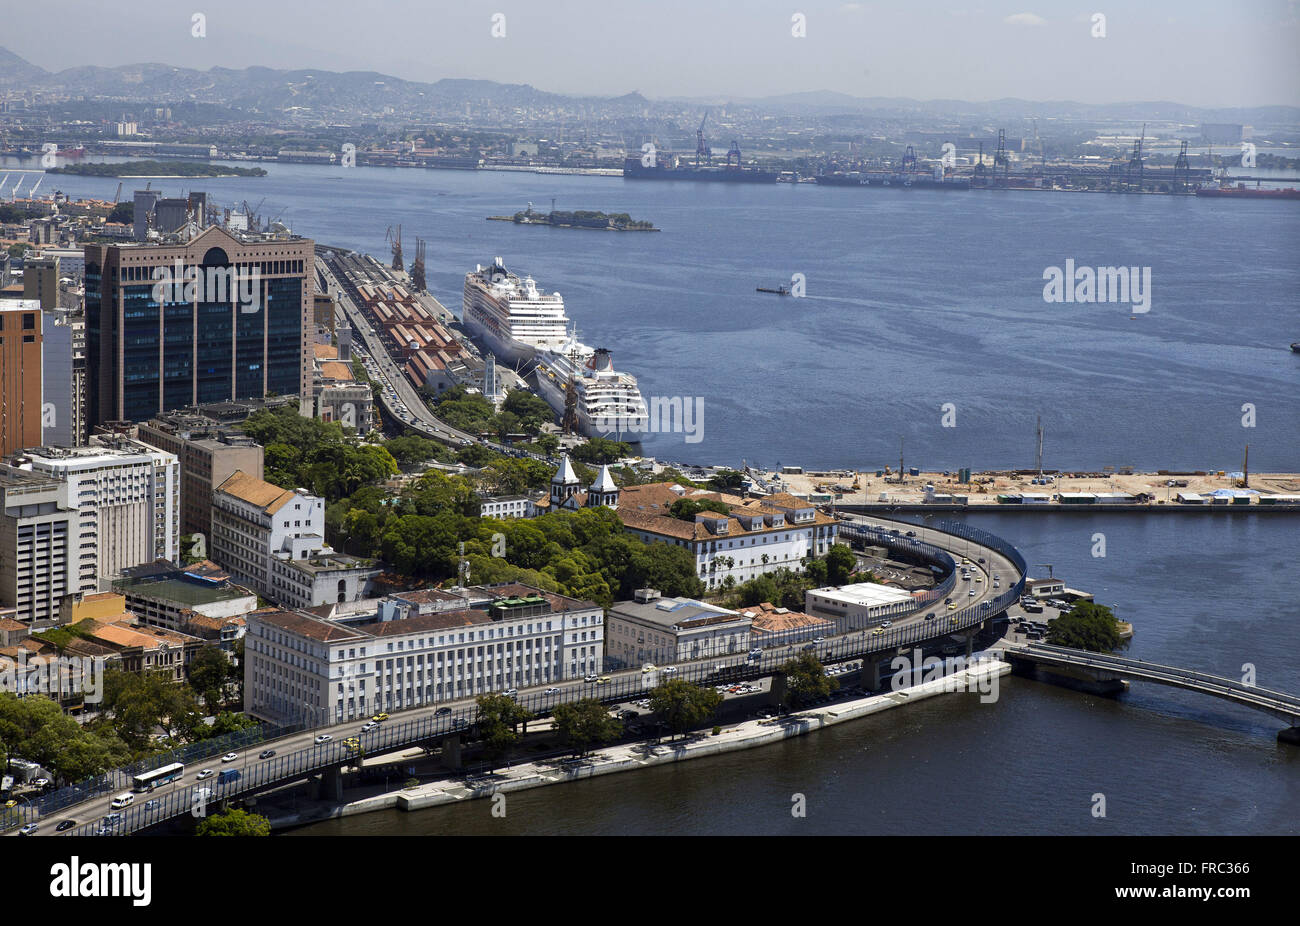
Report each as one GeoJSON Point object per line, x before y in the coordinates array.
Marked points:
{"type": "Point", "coordinates": [1042, 52]}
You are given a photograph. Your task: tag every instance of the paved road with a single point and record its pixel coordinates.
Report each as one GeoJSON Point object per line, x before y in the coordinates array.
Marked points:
{"type": "Point", "coordinates": [399, 396]}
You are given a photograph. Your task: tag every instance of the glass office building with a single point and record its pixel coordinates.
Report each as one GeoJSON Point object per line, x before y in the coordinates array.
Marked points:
{"type": "Point", "coordinates": [213, 319]}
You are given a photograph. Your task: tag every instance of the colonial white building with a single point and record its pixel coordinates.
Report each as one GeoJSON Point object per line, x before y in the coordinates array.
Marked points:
{"type": "Point", "coordinates": [752, 537]}
{"type": "Point", "coordinates": [128, 497]}
{"type": "Point", "coordinates": [567, 494]}
{"type": "Point", "coordinates": [663, 631]}
{"type": "Point", "coordinates": [253, 522]}
{"type": "Point", "coordinates": [507, 506]}
{"type": "Point", "coordinates": [417, 648]}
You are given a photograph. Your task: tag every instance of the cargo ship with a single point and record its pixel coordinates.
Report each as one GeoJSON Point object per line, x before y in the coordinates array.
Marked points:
{"type": "Point", "coordinates": [673, 169]}
{"type": "Point", "coordinates": [511, 316]}
{"type": "Point", "coordinates": [894, 180]}
{"type": "Point", "coordinates": [1241, 191]}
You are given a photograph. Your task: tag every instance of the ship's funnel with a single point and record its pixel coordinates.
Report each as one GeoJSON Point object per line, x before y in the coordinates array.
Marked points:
{"type": "Point", "coordinates": [600, 361]}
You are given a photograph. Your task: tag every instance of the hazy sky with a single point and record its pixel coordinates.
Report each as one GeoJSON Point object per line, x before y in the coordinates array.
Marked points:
{"type": "Point", "coordinates": [1200, 52]}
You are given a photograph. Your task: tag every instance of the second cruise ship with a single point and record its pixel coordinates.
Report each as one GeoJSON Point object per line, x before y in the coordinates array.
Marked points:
{"type": "Point", "coordinates": [589, 395]}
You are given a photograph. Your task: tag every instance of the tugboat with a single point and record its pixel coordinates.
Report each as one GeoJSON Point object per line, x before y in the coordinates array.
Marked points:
{"type": "Point", "coordinates": [1295, 347]}
{"type": "Point", "coordinates": [780, 290]}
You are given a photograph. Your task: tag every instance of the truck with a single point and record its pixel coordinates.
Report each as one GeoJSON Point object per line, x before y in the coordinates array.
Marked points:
{"type": "Point", "coordinates": [227, 775]}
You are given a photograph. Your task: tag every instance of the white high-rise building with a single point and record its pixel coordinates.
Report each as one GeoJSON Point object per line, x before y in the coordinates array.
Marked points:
{"type": "Point", "coordinates": [127, 496]}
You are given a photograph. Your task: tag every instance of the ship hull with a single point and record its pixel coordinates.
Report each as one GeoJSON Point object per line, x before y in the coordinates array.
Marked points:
{"type": "Point", "coordinates": [893, 181]}
{"type": "Point", "coordinates": [507, 350]}
{"type": "Point", "coordinates": [633, 170]}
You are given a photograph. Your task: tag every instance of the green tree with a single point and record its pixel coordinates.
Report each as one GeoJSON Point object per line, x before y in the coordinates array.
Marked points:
{"type": "Point", "coordinates": [725, 480]}
{"type": "Point", "coordinates": [682, 705]}
{"type": "Point", "coordinates": [234, 822]}
{"type": "Point", "coordinates": [1088, 626]}
{"type": "Point", "coordinates": [209, 670]}
{"type": "Point", "coordinates": [600, 450]}
{"type": "Point", "coordinates": [499, 718]}
{"type": "Point", "coordinates": [840, 563]}
{"type": "Point", "coordinates": [685, 509]}
{"type": "Point", "coordinates": [123, 213]}
{"type": "Point", "coordinates": [805, 680]}
{"type": "Point", "coordinates": [585, 723]}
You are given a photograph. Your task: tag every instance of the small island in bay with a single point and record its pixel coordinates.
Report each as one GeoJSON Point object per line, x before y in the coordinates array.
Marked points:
{"type": "Point", "coordinates": [157, 169]}
{"type": "Point", "coordinates": [613, 221]}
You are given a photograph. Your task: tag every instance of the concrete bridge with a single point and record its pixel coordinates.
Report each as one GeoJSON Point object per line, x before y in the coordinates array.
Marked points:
{"type": "Point", "coordinates": [1107, 673]}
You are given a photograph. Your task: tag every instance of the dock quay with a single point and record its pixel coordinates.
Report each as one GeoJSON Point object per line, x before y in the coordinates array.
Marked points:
{"type": "Point", "coordinates": [1016, 491]}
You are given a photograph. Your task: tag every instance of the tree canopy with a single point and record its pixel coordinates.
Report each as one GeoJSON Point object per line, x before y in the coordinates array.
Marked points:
{"type": "Point", "coordinates": [1088, 626]}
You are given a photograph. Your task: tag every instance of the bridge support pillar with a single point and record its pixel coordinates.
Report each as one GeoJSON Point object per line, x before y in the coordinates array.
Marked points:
{"type": "Point", "coordinates": [1289, 735]}
{"type": "Point", "coordinates": [331, 785]}
{"type": "Point", "coordinates": [451, 751]}
{"type": "Point", "coordinates": [869, 674]}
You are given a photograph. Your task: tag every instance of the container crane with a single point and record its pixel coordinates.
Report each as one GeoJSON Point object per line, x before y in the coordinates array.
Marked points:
{"type": "Point", "coordinates": [701, 149]}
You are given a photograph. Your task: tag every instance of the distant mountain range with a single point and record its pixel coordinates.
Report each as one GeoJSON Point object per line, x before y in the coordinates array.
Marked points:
{"type": "Point", "coordinates": [268, 92]}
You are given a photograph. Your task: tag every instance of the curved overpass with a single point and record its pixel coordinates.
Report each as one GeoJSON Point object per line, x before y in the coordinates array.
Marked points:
{"type": "Point", "coordinates": [299, 756]}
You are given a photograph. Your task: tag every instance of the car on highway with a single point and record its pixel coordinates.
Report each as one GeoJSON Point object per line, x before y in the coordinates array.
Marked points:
{"type": "Point", "coordinates": [929, 617]}
{"type": "Point", "coordinates": [603, 680]}
{"type": "Point", "coordinates": [230, 757]}
{"type": "Point", "coordinates": [205, 774]}
{"type": "Point", "coordinates": [266, 753]}
{"type": "Point", "coordinates": [971, 594]}
{"type": "Point", "coordinates": [441, 711]}
{"type": "Point", "coordinates": [551, 691]}
{"type": "Point", "coordinates": [981, 560]}
{"type": "Point", "coordinates": [979, 578]}
{"type": "Point", "coordinates": [648, 667]}
{"type": "Point", "coordinates": [877, 632]}
{"type": "Point", "coordinates": [952, 607]}
{"type": "Point", "coordinates": [65, 825]}
{"type": "Point", "coordinates": [152, 804]}
{"type": "Point", "coordinates": [112, 819]}
{"type": "Point", "coordinates": [669, 670]}
{"type": "Point", "coordinates": [590, 680]}
{"type": "Point", "coordinates": [41, 783]}
{"type": "Point", "coordinates": [323, 738]}
{"type": "Point", "coordinates": [510, 692]}
{"type": "Point", "coordinates": [911, 533]}
{"type": "Point", "coordinates": [29, 829]}
{"type": "Point", "coordinates": [379, 718]}
{"type": "Point", "coordinates": [823, 639]}
{"type": "Point", "coordinates": [123, 800]}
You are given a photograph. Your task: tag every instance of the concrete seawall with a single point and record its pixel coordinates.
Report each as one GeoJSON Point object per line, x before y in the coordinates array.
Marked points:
{"type": "Point", "coordinates": [632, 756]}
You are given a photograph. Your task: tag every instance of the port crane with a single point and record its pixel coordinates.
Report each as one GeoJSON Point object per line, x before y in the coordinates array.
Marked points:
{"type": "Point", "coordinates": [417, 267]}
{"type": "Point", "coordinates": [734, 150]}
{"type": "Point", "coordinates": [701, 149]}
{"type": "Point", "coordinates": [396, 239]}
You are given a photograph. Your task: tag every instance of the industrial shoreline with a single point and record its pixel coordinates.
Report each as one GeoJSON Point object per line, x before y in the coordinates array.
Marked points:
{"type": "Point", "coordinates": [1017, 491]}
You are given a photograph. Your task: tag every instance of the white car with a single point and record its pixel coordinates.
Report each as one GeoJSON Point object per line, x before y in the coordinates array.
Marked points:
{"type": "Point", "coordinates": [669, 670]}
{"type": "Point", "coordinates": [551, 691]}
{"type": "Point", "coordinates": [230, 757]}
{"type": "Point", "coordinates": [123, 800]}
{"type": "Point", "coordinates": [323, 738]}
{"type": "Point", "coordinates": [206, 773]}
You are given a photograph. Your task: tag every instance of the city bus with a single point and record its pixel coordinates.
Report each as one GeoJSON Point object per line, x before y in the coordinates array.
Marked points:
{"type": "Point", "coordinates": [147, 781]}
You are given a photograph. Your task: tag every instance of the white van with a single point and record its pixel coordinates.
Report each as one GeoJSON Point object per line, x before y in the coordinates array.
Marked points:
{"type": "Point", "coordinates": [123, 800]}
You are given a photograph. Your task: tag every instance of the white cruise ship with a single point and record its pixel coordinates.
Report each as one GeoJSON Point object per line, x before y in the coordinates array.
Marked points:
{"type": "Point", "coordinates": [607, 403]}
{"type": "Point", "coordinates": [512, 316]}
